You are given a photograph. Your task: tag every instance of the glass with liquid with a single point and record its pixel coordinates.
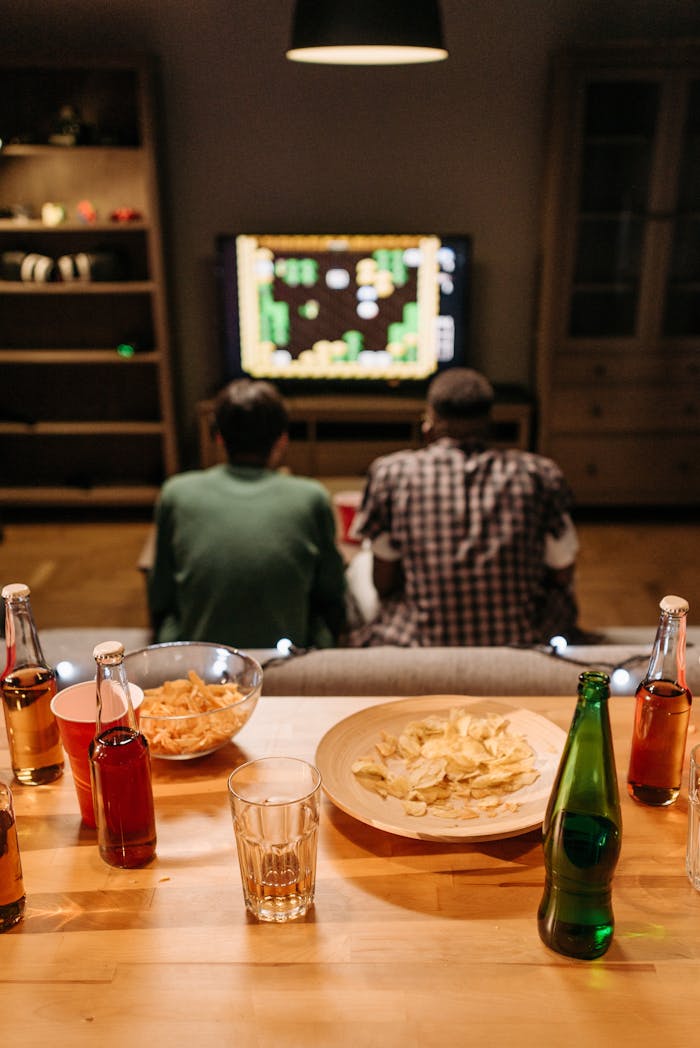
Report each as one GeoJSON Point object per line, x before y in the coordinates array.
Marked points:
{"type": "Point", "coordinates": [692, 851]}
{"type": "Point", "coordinates": [275, 805]}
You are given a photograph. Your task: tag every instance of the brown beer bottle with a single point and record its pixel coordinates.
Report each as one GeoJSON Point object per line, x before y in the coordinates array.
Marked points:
{"type": "Point", "coordinates": [662, 713]}
{"type": "Point", "coordinates": [27, 686]}
{"type": "Point", "coordinates": [11, 883]}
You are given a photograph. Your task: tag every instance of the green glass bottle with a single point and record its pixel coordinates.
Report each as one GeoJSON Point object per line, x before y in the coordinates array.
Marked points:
{"type": "Point", "coordinates": [582, 831]}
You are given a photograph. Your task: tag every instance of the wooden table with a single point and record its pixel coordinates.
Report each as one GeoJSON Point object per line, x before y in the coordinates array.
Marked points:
{"type": "Point", "coordinates": [410, 943]}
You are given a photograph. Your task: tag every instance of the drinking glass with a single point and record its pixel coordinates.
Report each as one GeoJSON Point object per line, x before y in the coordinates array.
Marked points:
{"type": "Point", "coordinates": [275, 805]}
{"type": "Point", "coordinates": [75, 708]}
{"type": "Point", "coordinates": [692, 853]}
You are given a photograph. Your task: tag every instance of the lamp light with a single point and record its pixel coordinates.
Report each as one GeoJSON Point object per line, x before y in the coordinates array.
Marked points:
{"type": "Point", "coordinates": [367, 32]}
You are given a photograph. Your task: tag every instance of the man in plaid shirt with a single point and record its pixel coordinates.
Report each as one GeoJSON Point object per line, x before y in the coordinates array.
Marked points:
{"type": "Point", "coordinates": [471, 545]}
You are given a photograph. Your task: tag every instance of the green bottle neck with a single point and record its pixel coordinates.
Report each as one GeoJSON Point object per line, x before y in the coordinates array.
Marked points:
{"type": "Point", "coordinates": [586, 780]}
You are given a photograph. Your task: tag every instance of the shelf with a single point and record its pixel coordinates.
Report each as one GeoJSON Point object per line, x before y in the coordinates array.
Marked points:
{"type": "Point", "coordinates": [114, 495]}
{"type": "Point", "coordinates": [77, 356]}
{"type": "Point", "coordinates": [78, 425]}
{"type": "Point", "coordinates": [77, 287]}
{"type": "Point", "coordinates": [34, 150]}
{"type": "Point", "coordinates": [87, 429]}
{"type": "Point", "coordinates": [35, 225]}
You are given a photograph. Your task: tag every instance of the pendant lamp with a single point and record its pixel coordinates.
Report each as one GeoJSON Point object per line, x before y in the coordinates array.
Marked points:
{"type": "Point", "coordinates": [367, 32]}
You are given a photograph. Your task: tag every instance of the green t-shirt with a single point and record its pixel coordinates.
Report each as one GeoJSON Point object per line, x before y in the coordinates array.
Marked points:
{"type": "Point", "coordinates": [245, 556]}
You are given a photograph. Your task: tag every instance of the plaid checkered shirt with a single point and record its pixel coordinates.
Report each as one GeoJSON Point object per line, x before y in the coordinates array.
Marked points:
{"type": "Point", "coordinates": [469, 527]}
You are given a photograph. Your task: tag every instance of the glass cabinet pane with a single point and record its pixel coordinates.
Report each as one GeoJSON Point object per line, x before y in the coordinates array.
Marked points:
{"type": "Point", "coordinates": [682, 312]}
{"type": "Point", "coordinates": [615, 176]}
{"type": "Point", "coordinates": [621, 107]}
{"type": "Point", "coordinates": [689, 178]}
{"type": "Point", "coordinates": [620, 122]}
{"type": "Point", "coordinates": [604, 313]}
{"type": "Point", "coordinates": [609, 249]}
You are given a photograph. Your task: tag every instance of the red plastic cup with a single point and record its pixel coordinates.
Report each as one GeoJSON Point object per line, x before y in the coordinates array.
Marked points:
{"type": "Point", "coordinates": [74, 709]}
{"type": "Point", "coordinates": [347, 504]}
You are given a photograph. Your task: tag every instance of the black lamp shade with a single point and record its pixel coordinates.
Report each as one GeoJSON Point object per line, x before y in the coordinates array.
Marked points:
{"type": "Point", "coordinates": [367, 31]}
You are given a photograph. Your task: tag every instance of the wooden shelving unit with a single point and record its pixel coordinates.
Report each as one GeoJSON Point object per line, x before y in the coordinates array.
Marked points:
{"type": "Point", "coordinates": [81, 421]}
{"type": "Point", "coordinates": [619, 320]}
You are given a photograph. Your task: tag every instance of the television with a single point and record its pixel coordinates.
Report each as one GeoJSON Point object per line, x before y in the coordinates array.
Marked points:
{"type": "Point", "coordinates": [330, 312]}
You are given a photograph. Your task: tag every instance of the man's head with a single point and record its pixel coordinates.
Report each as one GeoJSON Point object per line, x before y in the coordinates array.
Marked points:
{"type": "Point", "coordinates": [252, 421]}
{"type": "Point", "coordinates": [459, 404]}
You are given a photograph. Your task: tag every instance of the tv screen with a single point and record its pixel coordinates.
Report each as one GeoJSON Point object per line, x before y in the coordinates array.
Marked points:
{"type": "Point", "coordinates": [320, 310]}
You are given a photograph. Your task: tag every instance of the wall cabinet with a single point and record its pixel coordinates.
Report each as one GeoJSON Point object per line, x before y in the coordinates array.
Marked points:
{"type": "Point", "coordinates": [86, 411]}
{"type": "Point", "coordinates": [619, 315]}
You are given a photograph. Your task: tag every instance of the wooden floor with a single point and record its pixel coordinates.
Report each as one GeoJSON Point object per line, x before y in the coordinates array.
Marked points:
{"type": "Point", "coordinates": [85, 573]}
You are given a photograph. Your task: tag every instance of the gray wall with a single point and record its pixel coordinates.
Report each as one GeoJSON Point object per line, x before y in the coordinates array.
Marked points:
{"type": "Point", "coordinates": [252, 141]}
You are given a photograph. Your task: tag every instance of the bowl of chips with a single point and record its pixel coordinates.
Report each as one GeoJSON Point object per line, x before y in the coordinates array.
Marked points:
{"type": "Point", "coordinates": [196, 696]}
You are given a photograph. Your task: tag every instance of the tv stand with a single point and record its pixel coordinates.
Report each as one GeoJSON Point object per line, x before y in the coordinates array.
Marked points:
{"type": "Point", "coordinates": [340, 435]}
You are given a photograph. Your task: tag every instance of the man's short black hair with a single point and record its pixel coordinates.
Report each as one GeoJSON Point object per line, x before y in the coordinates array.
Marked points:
{"type": "Point", "coordinates": [250, 416]}
{"type": "Point", "coordinates": [460, 393]}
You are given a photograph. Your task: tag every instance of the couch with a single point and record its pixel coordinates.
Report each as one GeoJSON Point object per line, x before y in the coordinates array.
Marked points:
{"type": "Point", "coordinates": [409, 671]}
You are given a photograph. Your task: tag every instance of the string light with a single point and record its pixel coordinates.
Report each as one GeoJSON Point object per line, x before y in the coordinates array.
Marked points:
{"type": "Point", "coordinates": [559, 643]}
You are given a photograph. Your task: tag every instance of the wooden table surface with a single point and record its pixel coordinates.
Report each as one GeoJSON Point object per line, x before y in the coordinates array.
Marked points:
{"type": "Point", "coordinates": [410, 943]}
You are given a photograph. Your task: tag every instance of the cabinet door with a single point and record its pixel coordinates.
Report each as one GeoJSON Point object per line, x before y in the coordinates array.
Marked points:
{"type": "Point", "coordinates": [619, 323]}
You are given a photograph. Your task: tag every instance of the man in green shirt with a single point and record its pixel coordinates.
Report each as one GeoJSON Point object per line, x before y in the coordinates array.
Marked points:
{"type": "Point", "coordinates": [246, 555]}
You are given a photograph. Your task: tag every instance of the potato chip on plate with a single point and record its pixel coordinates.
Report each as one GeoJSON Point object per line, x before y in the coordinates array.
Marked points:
{"type": "Point", "coordinates": [442, 767]}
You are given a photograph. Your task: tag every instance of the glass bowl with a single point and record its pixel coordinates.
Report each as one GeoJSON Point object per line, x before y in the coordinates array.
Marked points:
{"type": "Point", "coordinates": [218, 689]}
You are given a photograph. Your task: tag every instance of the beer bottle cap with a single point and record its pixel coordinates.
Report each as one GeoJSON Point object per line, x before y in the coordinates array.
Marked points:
{"type": "Point", "coordinates": [108, 651]}
{"type": "Point", "coordinates": [674, 605]}
{"type": "Point", "coordinates": [14, 590]}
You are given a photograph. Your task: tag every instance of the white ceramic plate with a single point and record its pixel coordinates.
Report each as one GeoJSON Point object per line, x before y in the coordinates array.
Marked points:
{"type": "Point", "coordinates": [355, 736]}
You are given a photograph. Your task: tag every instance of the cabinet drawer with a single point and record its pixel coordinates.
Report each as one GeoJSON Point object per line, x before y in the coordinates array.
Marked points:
{"type": "Point", "coordinates": [623, 368]}
{"type": "Point", "coordinates": [627, 470]}
{"type": "Point", "coordinates": [648, 408]}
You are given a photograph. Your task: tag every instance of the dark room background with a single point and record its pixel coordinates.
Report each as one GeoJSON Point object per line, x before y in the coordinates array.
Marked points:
{"type": "Point", "coordinates": [252, 142]}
